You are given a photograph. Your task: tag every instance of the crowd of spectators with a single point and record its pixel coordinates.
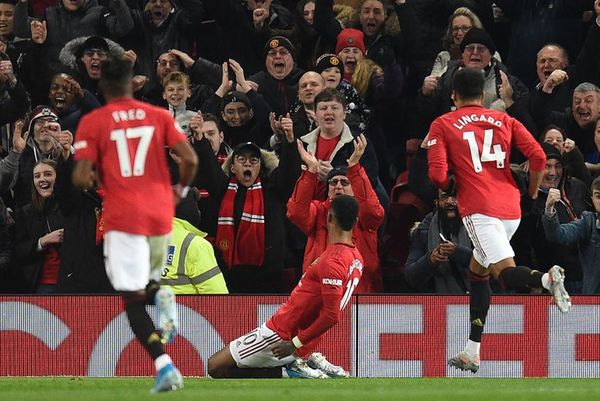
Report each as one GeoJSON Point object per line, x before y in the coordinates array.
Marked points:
{"type": "Point", "coordinates": [289, 103]}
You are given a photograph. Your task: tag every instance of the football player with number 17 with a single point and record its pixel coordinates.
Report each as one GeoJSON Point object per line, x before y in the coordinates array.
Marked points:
{"type": "Point", "coordinates": [474, 143]}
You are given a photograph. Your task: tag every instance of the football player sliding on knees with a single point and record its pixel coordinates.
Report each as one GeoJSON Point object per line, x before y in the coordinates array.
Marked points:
{"type": "Point", "coordinates": [283, 346]}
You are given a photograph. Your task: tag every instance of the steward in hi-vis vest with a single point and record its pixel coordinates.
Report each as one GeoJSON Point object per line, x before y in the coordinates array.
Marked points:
{"type": "Point", "coordinates": [191, 267]}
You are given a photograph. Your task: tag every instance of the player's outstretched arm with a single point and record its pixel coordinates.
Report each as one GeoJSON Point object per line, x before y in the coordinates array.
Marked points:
{"type": "Point", "coordinates": [83, 175]}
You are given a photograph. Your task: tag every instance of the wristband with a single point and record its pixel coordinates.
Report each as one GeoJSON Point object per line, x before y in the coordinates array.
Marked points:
{"type": "Point", "coordinates": [297, 343]}
{"type": "Point", "coordinates": [181, 190]}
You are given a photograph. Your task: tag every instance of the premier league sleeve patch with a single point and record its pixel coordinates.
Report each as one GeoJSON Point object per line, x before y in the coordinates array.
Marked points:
{"type": "Point", "coordinates": [170, 255]}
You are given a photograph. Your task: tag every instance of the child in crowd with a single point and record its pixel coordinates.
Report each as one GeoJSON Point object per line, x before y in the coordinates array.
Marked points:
{"type": "Point", "coordinates": [176, 92]}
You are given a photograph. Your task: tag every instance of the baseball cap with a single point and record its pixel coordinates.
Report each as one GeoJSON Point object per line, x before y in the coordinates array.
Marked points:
{"type": "Point", "coordinates": [337, 171]}
{"type": "Point", "coordinates": [235, 96]}
{"type": "Point", "coordinates": [93, 42]}
{"type": "Point", "coordinates": [248, 147]}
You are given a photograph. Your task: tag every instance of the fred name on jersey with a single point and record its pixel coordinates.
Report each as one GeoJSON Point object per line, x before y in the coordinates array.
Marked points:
{"type": "Point", "coordinates": [463, 121]}
{"type": "Point", "coordinates": [128, 115]}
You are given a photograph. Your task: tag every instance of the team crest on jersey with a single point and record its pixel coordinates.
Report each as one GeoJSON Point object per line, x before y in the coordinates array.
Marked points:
{"type": "Point", "coordinates": [356, 264]}
{"type": "Point", "coordinates": [223, 244]}
{"type": "Point", "coordinates": [170, 255]}
{"type": "Point", "coordinates": [431, 142]}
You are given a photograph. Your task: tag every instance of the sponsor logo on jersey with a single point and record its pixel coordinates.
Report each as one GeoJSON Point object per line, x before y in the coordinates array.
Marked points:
{"type": "Point", "coordinates": [332, 281]}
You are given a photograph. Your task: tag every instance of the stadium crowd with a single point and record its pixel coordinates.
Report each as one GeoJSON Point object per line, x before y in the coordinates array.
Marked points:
{"type": "Point", "coordinates": [289, 104]}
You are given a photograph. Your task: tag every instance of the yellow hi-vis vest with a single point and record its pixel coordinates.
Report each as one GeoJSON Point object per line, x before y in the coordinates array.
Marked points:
{"type": "Point", "coordinates": [191, 267]}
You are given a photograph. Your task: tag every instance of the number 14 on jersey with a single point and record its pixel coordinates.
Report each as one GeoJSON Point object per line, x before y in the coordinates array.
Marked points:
{"type": "Point", "coordinates": [489, 153]}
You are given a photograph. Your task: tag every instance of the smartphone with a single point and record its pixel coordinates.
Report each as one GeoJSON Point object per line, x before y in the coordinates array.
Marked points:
{"type": "Point", "coordinates": [443, 238]}
{"type": "Point", "coordinates": [498, 79]}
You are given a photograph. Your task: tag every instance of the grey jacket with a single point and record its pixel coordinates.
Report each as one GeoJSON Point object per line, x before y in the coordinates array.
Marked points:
{"type": "Point", "coordinates": [585, 232]}
{"type": "Point", "coordinates": [447, 278]}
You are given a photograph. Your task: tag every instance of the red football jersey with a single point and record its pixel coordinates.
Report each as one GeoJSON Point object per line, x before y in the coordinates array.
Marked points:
{"type": "Point", "coordinates": [324, 290]}
{"type": "Point", "coordinates": [126, 140]}
{"type": "Point", "coordinates": [475, 143]}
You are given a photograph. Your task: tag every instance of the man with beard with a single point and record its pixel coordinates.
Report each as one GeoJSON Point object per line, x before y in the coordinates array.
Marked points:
{"type": "Point", "coordinates": [310, 215]}
{"type": "Point", "coordinates": [440, 251]}
{"type": "Point", "coordinates": [252, 187]}
{"type": "Point", "coordinates": [279, 83]}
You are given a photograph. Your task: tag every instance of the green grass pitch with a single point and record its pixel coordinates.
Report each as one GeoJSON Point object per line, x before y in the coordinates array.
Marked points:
{"type": "Point", "coordinates": [198, 389]}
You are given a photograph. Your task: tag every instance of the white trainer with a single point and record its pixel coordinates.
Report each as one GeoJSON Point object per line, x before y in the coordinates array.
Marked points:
{"type": "Point", "coordinates": [167, 314]}
{"type": "Point", "coordinates": [298, 369]}
{"type": "Point", "coordinates": [318, 361]}
{"type": "Point", "coordinates": [557, 288]}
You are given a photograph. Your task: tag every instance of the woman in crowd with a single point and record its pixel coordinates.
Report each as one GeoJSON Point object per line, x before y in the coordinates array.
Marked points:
{"type": "Point", "coordinates": [460, 22]}
{"type": "Point", "coordinates": [39, 233]}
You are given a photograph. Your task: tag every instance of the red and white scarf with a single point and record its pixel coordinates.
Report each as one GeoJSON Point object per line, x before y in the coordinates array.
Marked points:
{"type": "Point", "coordinates": [247, 245]}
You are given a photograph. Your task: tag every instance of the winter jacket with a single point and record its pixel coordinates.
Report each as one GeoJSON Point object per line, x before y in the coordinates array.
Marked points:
{"type": "Point", "coordinates": [277, 179]}
{"type": "Point", "coordinates": [68, 57]}
{"type": "Point", "coordinates": [585, 233]}
{"type": "Point", "coordinates": [345, 147]}
{"type": "Point", "coordinates": [89, 20]}
{"type": "Point", "coordinates": [310, 216]}
{"type": "Point", "coordinates": [279, 94]}
{"type": "Point", "coordinates": [176, 32]}
{"type": "Point", "coordinates": [30, 226]}
{"type": "Point", "coordinates": [14, 103]}
{"type": "Point", "coordinates": [447, 278]}
{"type": "Point", "coordinates": [82, 267]}
{"type": "Point", "coordinates": [440, 101]}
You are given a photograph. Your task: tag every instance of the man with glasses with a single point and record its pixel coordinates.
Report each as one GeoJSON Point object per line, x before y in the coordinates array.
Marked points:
{"type": "Point", "coordinates": [310, 216]}
{"type": "Point", "coordinates": [252, 187]}
{"type": "Point", "coordinates": [279, 83]}
{"type": "Point", "coordinates": [502, 91]}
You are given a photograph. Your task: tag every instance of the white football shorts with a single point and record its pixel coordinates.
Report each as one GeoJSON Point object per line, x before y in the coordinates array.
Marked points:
{"type": "Point", "coordinates": [253, 350]}
{"type": "Point", "coordinates": [490, 237]}
{"type": "Point", "coordinates": [132, 259]}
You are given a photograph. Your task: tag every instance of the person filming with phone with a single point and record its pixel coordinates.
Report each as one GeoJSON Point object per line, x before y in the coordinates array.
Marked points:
{"type": "Point", "coordinates": [440, 251]}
